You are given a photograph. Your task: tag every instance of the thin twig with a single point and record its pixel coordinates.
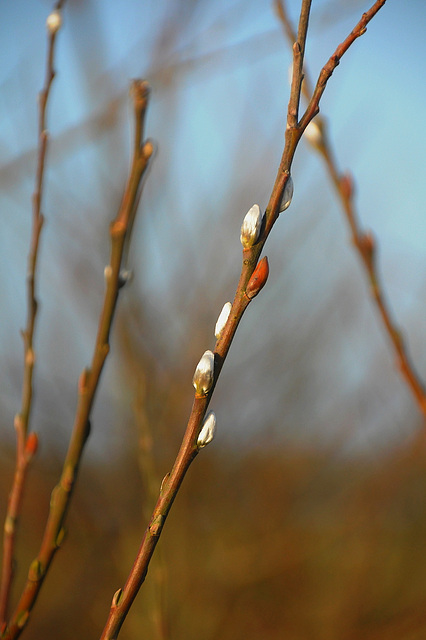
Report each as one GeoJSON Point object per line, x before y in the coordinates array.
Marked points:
{"type": "Point", "coordinates": [124, 597]}
{"type": "Point", "coordinates": [298, 57]}
{"type": "Point", "coordinates": [327, 70]}
{"type": "Point", "coordinates": [26, 445]}
{"type": "Point", "coordinates": [89, 378]}
{"type": "Point", "coordinates": [362, 240]}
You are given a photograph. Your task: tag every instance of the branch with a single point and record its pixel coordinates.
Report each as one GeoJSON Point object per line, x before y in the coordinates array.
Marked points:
{"type": "Point", "coordinates": [26, 445]}
{"type": "Point", "coordinates": [252, 279]}
{"type": "Point", "coordinates": [327, 70]}
{"type": "Point", "coordinates": [362, 240]}
{"type": "Point", "coordinates": [298, 56]}
{"type": "Point", "coordinates": [89, 378]}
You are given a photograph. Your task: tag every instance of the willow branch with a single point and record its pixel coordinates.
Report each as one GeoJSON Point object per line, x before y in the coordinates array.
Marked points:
{"type": "Point", "coordinates": [363, 241]}
{"type": "Point", "coordinates": [124, 597]}
{"type": "Point", "coordinates": [26, 444]}
{"type": "Point", "coordinates": [90, 377]}
{"type": "Point", "coordinates": [327, 70]}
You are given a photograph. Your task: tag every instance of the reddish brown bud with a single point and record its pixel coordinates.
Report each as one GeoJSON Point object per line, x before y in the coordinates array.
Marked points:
{"type": "Point", "coordinates": [258, 278]}
{"type": "Point", "coordinates": [367, 245]}
{"type": "Point", "coordinates": [368, 242]}
{"type": "Point", "coordinates": [31, 444]}
{"type": "Point", "coordinates": [347, 186]}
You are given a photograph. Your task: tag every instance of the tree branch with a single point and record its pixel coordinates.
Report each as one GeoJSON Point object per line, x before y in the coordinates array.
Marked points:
{"type": "Point", "coordinates": [89, 378]}
{"type": "Point", "coordinates": [327, 70]}
{"type": "Point", "coordinates": [124, 597]}
{"type": "Point", "coordinates": [363, 241]}
{"type": "Point", "coordinates": [27, 443]}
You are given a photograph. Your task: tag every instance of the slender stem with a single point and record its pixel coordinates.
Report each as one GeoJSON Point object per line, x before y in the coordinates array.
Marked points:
{"type": "Point", "coordinates": [363, 241]}
{"type": "Point", "coordinates": [298, 56]}
{"type": "Point", "coordinates": [124, 597]}
{"type": "Point", "coordinates": [89, 378]}
{"type": "Point", "coordinates": [366, 246]}
{"type": "Point", "coordinates": [327, 70]}
{"type": "Point", "coordinates": [25, 450]}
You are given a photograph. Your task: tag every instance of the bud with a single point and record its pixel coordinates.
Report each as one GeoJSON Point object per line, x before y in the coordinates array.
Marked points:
{"type": "Point", "coordinates": [31, 445]}
{"type": "Point", "coordinates": [347, 186]}
{"type": "Point", "coordinates": [287, 194]}
{"type": "Point", "coordinates": [148, 149]}
{"type": "Point", "coordinates": [208, 430]}
{"type": "Point", "coordinates": [258, 278]}
{"type": "Point", "coordinates": [222, 319]}
{"type": "Point", "coordinates": [30, 357]}
{"type": "Point", "coordinates": [125, 276]}
{"type": "Point", "coordinates": [204, 373]}
{"type": "Point", "coordinates": [18, 422]}
{"type": "Point", "coordinates": [117, 597]}
{"type": "Point", "coordinates": [250, 229]}
{"type": "Point", "coordinates": [290, 74]}
{"type": "Point", "coordinates": [313, 134]}
{"type": "Point", "coordinates": [54, 22]}
{"type": "Point", "coordinates": [368, 243]}
{"type": "Point", "coordinates": [108, 273]}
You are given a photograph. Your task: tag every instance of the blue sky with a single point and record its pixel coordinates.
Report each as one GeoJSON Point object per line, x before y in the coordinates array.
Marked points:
{"type": "Point", "coordinates": [216, 67]}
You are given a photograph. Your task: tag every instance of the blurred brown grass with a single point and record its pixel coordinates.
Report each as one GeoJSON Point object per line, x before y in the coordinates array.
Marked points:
{"type": "Point", "coordinates": [268, 544]}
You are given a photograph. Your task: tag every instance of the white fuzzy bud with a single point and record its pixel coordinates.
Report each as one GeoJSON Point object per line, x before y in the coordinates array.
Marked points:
{"type": "Point", "coordinates": [313, 134]}
{"type": "Point", "coordinates": [290, 74]}
{"type": "Point", "coordinates": [108, 273]}
{"type": "Point", "coordinates": [204, 374]}
{"type": "Point", "coordinates": [287, 195]}
{"type": "Point", "coordinates": [208, 430]}
{"type": "Point", "coordinates": [125, 276]}
{"type": "Point", "coordinates": [250, 229]}
{"type": "Point", "coordinates": [54, 22]}
{"type": "Point", "coordinates": [222, 319]}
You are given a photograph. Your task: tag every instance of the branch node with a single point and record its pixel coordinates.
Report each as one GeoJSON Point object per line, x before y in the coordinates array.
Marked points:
{"type": "Point", "coordinates": [156, 525]}
{"type": "Point", "coordinates": [67, 478]}
{"type": "Point", "coordinates": [117, 597]}
{"type": "Point", "coordinates": [117, 229]}
{"type": "Point", "coordinates": [148, 149]}
{"type": "Point", "coordinates": [36, 571]}
{"type": "Point", "coordinates": [60, 537]}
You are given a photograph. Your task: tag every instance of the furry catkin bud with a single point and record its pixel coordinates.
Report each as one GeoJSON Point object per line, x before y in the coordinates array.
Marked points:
{"type": "Point", "coordinates": [204, 374]}
{"type": "Point", "coordinates": [208, 430]}
{"type": "Point", "coordinates": [258, 278]}
{"type": "Point", "coordinates": [54, 22]}
{"type": "Point", "coordinates": [287, 194]}
{"type": "Point", "coordinates": [250, 229]}
{"type": "Point", "coordinates": [313, 134]}
{"type": "Point", "coordinates": [125, 276]}
{"type": "Point", "coordinates": [108, 273]}
{"type": "Point", "coordinates": [222, 319]}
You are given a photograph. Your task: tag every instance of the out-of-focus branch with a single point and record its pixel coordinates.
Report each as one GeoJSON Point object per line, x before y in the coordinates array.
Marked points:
{"type": "Point", "coordinates": [362, 240]}
{"type": "Point", "coordinates": [252, 279]}
{"type": "Point", "coordinates": [26, 444]}
{"type": "Point", "coordinates": [89, 378]}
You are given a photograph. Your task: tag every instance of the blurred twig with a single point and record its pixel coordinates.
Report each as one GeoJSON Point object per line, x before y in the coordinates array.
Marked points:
{"type": "Point", "coordinates": [89, 378]}
{"type": "Point", "coordinates": [362, 240]}
{"type": "Point", "coordinates": [26, 444]}
{"type": "Point", "coordinates": [249, 282]}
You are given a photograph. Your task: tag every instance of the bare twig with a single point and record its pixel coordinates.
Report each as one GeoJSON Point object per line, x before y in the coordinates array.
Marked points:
{"type": "Point", "coordinates": [27, 442]}
{"type": "Point", "coordinates": [327, 70]}
{"type": "Point", "coordinates": [362, 240]}
{"type": "Point", "coordinates": [89, 378]}
{"type": "Point", "coordinates": [249, 282]}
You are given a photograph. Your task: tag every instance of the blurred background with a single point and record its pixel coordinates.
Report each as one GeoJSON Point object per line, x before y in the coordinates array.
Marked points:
{"type": "Point", "coordinates": [305, 518]}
